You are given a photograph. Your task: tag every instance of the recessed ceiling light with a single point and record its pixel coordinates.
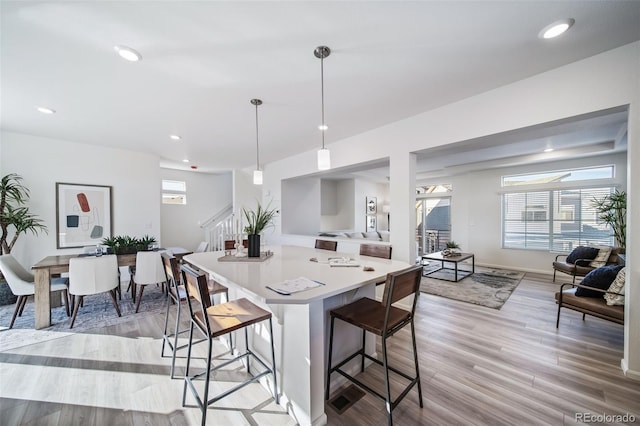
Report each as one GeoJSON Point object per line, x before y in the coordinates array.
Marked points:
{"type": "Point", "coordinates": [185, 161]}
{"type": "Point", "coordinates": [548, 150]}
{"type": "Point", "coordinates": [128, 53]}
{"type": "Point", "coordinates": [46, 110]}
{"type": "Point", "coordinates": [556, 28]}
{"type": "Point", "coordinates": [175, 137]}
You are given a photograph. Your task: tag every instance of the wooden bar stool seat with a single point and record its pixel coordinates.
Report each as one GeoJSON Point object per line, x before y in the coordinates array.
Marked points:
{"type": "Point", "coordinates": [384, 320]}
{"type": "Point", "coordinates": [216, 321]}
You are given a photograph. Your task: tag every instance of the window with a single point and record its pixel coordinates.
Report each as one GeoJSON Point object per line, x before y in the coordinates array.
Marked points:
{"type": "Point", "coordinates": [174, 192]}
{"type": "Point", "coordinates": [590, 173]}
{"type": "Point", "coordinates": [557, 220]}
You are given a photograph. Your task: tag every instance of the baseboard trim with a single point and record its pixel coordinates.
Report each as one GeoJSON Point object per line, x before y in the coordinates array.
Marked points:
{"type": "Point", "coordinates": [632, 374]}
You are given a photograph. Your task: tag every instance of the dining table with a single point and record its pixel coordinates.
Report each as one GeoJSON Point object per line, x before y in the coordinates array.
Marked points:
{"type": "Point", "coordinates": [299, 286]}
{"type": "Point", "coordinates": [59, 264]}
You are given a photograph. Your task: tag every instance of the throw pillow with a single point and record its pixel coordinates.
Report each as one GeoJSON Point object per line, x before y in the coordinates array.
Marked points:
{"type": "Point", "coordinates": [617, 286]}
{"type": "Point", "coordinates": [582, 252]}
{"type": "Point", "coordinates": [601, 258]}
{"type": "Point", "coordinates": [598, 278]}
{"type": "Point", "coordinates": [354, 234]}
{"type": "Point", "coordinates": [372, 235]}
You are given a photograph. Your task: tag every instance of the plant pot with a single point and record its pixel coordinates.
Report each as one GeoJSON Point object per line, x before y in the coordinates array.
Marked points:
{"type": "Point", "coordinates": [254, 245]}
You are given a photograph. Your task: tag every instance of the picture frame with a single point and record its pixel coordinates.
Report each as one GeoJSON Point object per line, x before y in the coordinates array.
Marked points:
{"type": "Point", "coordinates": [84, 214]}
{"type": "Point", "coordinates": [371, 205]}
{"type": "Point", "coordinates": [371, 224]}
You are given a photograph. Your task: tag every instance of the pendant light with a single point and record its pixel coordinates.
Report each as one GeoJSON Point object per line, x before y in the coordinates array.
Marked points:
{"type": "Point", "coordinates": [257, 173]}
{"type": "Point", "coordinates": [324, 157]}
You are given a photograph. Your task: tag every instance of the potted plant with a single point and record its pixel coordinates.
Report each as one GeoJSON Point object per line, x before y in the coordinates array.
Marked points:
{"type": "Point", "coordinates": [14, 214]}
{"type": "Point", "coordinates": [145, 243]}
{"type": "Point", "coordinates": [257, 221]}
{"type": "Point", "coordinates": [612, 210]}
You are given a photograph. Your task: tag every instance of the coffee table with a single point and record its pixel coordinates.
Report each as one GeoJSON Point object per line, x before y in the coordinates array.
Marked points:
{"type": "Point", "coordinates": [455, 259]}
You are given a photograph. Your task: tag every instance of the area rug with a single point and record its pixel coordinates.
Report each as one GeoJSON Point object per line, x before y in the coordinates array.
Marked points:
{"type": "Point", "coordinates": [98, 311]}
{"type": "Point", "coordinates": [488, 287]}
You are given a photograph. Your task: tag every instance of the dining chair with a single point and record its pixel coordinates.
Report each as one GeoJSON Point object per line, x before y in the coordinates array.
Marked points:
{"type": "Point", "coordinates": [375, 250]}
{"type": "Point", "coordinates": [326, 245]}
{"type": "Point", "coordinates": [215, 321]}
{"type": "Point", "coordinates": [21, 282]}
{"type": "Point", "coordinates": [93, 275]}
{"type": "Point", "coordinates": [149, 270]}
{"type": "Point", "coordinates": [383, 319]}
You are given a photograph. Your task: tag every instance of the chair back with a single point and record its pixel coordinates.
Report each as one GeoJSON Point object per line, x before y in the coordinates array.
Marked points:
{"type": "Point", "coordinates": [375, 250]}
{"type": "Point", "coordinates": [149, 269]}
{"type": "Point", "coordinates": [202, 247]}
{"type": "Point", "coordinates": [401, 284]}
{"type": "Point", "coordinates": [93, 275]}
{"type": "Point", "coordinates": [197, 289]}
{"type": "Point", "coordinates": [171, 269]}
{"type": "Point", "coordinates": [19, 279]}
{"type": "Point", "coordinates": [327, 245]}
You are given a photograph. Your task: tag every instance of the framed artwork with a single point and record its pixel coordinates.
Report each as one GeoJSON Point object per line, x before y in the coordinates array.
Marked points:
{"type": "Point", "coordinates": [372, 205]}
{"type": "Point", "coordinates": [371, 224]}
{"type": "Point", "coordinates": [83, 214]}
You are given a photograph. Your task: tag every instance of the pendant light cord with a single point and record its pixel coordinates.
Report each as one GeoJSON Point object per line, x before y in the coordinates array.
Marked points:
{"type": "Point", "coordinates": [257, 146]}
{"type": "Point", "coordinates": [322, 95]}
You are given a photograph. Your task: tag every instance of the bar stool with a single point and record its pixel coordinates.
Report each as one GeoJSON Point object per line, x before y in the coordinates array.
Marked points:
{"type": "Point", "coordinates": [177, 295]}
{"type": "Point", "coordinates": [383, 320]}
{"type": "Point", "coordinates": [215, 321]}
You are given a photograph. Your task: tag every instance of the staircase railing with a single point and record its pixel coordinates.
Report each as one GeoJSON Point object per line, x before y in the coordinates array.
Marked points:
{"type": "Point", "coordinates": [219, 227]}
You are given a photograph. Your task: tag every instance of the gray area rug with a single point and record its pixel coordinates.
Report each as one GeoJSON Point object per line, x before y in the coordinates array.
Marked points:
{"type": "Point", "coordinates": [488, 287]}
{"type": "Point", "coordinates": [98, 311]}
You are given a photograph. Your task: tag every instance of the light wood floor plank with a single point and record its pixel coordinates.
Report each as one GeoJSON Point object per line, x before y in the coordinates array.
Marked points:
{"type": "Point", "coordinates": [479, 366]}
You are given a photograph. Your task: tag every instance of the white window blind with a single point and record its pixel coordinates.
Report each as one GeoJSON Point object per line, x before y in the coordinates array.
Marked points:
{"type": "Point", "coordinates": [556, 220]}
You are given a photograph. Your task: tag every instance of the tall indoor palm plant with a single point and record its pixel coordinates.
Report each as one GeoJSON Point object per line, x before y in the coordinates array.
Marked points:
{"type": "Point", "coordinates": [612, 210]}
{"type": "Point", "coordinates": [14, 213]}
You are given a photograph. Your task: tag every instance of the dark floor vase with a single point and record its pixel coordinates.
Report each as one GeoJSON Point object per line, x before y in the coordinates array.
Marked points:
{"type": "Point", "coordinates": [254, 245]}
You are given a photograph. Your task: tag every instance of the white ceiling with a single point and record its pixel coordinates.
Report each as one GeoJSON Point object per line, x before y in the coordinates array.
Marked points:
{"type": "Point", "coordinates": [203, 61]}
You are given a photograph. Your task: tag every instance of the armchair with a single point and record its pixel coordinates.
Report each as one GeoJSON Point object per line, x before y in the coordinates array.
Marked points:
{"type": "Point", "coordinates": [581, 267]}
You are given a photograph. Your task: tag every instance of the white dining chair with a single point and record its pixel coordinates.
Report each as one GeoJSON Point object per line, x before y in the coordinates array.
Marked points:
{"type": "Point", "coordinates": [149, 270]}
{"type": "Point", "coordinates": [93, 275]}
{"type": "Point", "coordinates": [21, 283]}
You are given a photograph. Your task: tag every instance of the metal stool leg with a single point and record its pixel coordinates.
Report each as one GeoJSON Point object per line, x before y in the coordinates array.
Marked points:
{"type": "Point", "coordinates": [415, 357]}
{"type": "Point", "coordinates": [385, 362]}
{"type": "Point", "coordinates": [186, 374]}
{"type": "Point", "coordinates": [326, 393]}
{"type": "Point", "coordinates": [273, 365]}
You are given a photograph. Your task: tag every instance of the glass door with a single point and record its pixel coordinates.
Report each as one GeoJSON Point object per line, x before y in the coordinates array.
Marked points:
{"type": "Point", "coordinates": [433, 227]}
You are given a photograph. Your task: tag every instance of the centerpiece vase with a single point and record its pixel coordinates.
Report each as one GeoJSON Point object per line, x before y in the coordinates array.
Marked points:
{"type": "Point", "coordinates": [254, 245]}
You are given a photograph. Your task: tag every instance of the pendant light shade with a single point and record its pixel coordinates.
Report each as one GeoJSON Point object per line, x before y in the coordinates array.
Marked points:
{"type": "Point", "coordinates": [257, 173]}
{"type": "Point", "coordinates": [257, 177]}
{"type": "Point", "coordinates": [324, 156]}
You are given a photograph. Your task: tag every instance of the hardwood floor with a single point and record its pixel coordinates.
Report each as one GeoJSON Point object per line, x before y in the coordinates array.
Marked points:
{"type": "Point", "coordinates": [478, 366]}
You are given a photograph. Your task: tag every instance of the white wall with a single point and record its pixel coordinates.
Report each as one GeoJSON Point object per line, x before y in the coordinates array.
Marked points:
{"type": "Point", "coordinates": [301, 205]}
{"type": "Point", "coordinates": [481, 192]}
{"type": "Point", "coordinates": [207, 194]}
{"type": "Point", "coordinates": [337, 206]}
{"type": "Point", "coordinates": [134, 178]}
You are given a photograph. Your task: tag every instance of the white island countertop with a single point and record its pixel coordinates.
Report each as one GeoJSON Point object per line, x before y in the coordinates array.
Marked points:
{"type": "Point", "coordinates": [291, 262]}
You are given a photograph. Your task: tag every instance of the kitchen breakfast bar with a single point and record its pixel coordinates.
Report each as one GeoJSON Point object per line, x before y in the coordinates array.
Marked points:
{"type": "Point", "coordinates": [301, 318]}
